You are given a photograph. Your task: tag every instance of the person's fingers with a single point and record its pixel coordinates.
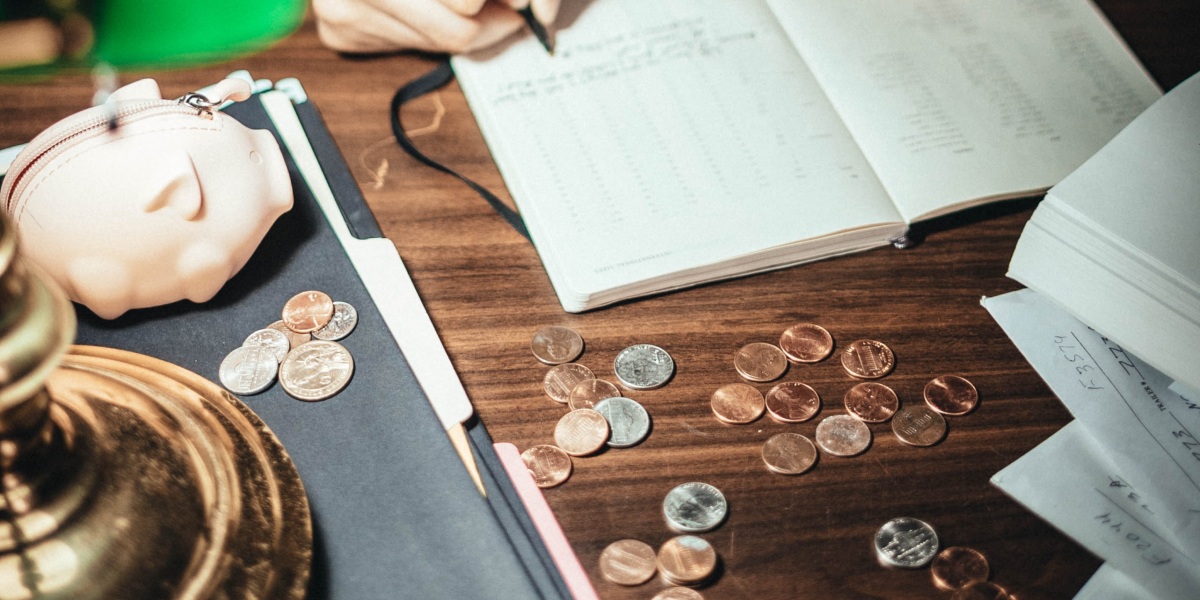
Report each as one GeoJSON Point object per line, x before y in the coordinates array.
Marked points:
{"type": "Point", "coordinates": [466, 8]}
{"type": "Point", "coordinates": [545, 11]}
{"type": "Point", "coordinates": [496, 22]}
{"type": "Point", "coordinates": [360, 27]}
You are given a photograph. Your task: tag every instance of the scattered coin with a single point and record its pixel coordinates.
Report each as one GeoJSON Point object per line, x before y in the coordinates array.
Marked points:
{"type": "Point", "coordinates": [694, 507]}
{"type": "Point", "coordinates": [581, 432]}
{"type": "Point", "coordinates": [687, 560]}
{"type": "Point", "coordinates": [737, 403]}
{"type": "Point", "coordinates": [906, 542]}
{"type": "Point", "coordinates": [872, 402]}
{"type": "Point", "coordinates": [628, 562]}
{"type": "Point", "coordinates": [806, 343]}
{"type": "Point", "coordinates": [643, 367]}
{"type": "Point", "coordinates": [548, 465]}
{"type": "Point", "coordinates": [308, 311]}
{"type": "Point", "coordinates": [760, 361]}
{"type": "Point", "coordinates": [789, 453]}
{"type": "Point", "coordinates": [588, 392]}
{"type": "Point", "coordinates": [868, 359]}
{"type": "Point", "coordinates": [981, 590]}
{"type": "Point", "coordinates": [792, 402]}
{"type": "Point", "coordinates": [273, 339]}
{"type": "Point", "coordinates": [951, 395]}
{"type": "Point", "coordinates": [344, 320]}
{"type": "Point", "coordinates": [294, 338]}
{"type": "Point", "coordinates": [561, 379]}
{"type": "Point", "coordinates": [918, 425]}
{"type": "Point", "coordinates": [316, 370]}
{"type": "Point", "coordinates": [628, 421]}
{"type": "Point", "coordinates": [956, 566]}
{"type": "Point", "coordinates": [555, 345]}
{"type": "Point", "coordinates": [248, 370]}
{"type": "Point", "coordinates": [843, 435]}
{"type": "Point", "coordinates": [678, 593]}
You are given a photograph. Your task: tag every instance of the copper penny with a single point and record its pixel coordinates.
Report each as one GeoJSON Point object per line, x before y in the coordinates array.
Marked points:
{"type": "Point", "coordinates": [737, 403]}
{"type": "Point", "coordinates": [628, 562]}
{"type": "Point", "coordinates": [581, 432]}
{"type": "Point", "coordinates": [760, 361]}
{"type": "Point", "coordinates": [686, 559]}
{"type": "Point", "coordinates": [789, 453]}
{"type": "Point", "coordinates": [981, 590]}
{"type": "Point", "coordinates": [918, 425]}
{"type": "Point", "coordinates": [843, 435]}
{"type": "Point", "coordinates": [678, 593]}
{"type": "Point", "coordinates": [872, 402]}
{"type": "Point", "coordinates": [548, 465]}
{"type": "Point", "coordinates": [294, 338]}
{"type": "Point", "coordinates": [956, 566]}
{"type": "Point", "coordinates": [555, 345]}
{"type": "Point", "coordinates": [868, 359]}
{"type": "Point", "coordinates": [951, 395]}
{"type": "Point", "coordinates": [588, 392]}
{"type": "Point", "coordinates": [792, 402]}
{"type": "Point", "coordinates": [806, 343]}
{"type": "Point", "coordinates": [308, 311]}
{"type": "Point", "coordinates": [561, 379]}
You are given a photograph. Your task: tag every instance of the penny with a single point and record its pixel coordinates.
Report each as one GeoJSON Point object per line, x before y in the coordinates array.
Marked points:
{"type": "Point", "coordinates": [588, 392]}
{"type": "Point", "coordinates": [548, 465]}
{"type": "Point", "coordinates": [843, 435]}
{"type": "Point", "coordinates": [294, 338]}
{"type": "Point", "coordinates": [678, 593]}
{"type": "Point", "coordinates": [956, 566]}
{"type": "Point", "coordinates": [628, 421]}
{"type": "Point", "coordinates": [555, 345]}
{"type": "Point", "coordinates": [918, 425]}
{"type": "Point", "coordinates": [272, 339]}
{"type": "Point", "coordinates": [872, 402]}
{"type": "Point", "coordinates": [628, 562]}
{"type": "Point", "coordinates": [344, 320]}
{"type": "Point", "coordinates": [643, 367]}
{"type": "Point", "coordinates": [792, 402]}
{"type": "Point", "coordinates": [561, 379]}
{"type": "Point", "coordinates": [789, 453]}
{"type": "Point", "coordinates": [868, 359]}
{"type": "Point", "coordinates": [981, 590]}
{"type": "Point", "coordinates": [687, 559]}
{"type": "Point", "coordinates": [694, 507]}
{"type": "Point", "coordinates": [248, 370]}
{"type": "Point", "coordinates": [760, 361]}
{"type": "Point", "coordinates": [308, 311]}
{"type": "Point", "coordinates": [806, 343]}
{"type": "Point", "coordinates": [906, 542]}
{"type": "Point", "coordinates": [581, 432]}
{"type": "Point", "coordinates": [951, 395]}
{"type": "Point", "coordinates": [316, 370]}
{"type": "Point", "coordinates": [737, 403]}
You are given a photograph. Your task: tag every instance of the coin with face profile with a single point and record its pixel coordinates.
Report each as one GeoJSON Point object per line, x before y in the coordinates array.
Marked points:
{"type": "Point", "coordinates": [643, 367]}
{"type": "Point", "coordinates": [843, 435]}
{"type": "Point", "coordinates": [951, 395]}
{"type": "Point", "coordinates": [760, 362]}
{"type": "Point", "coordinates": [548, 465]}
{"type": "Point", "coordinates": [588, 392]}
{"type": "Point", "coordinates": [872, 402]}
{"type": "Point", "coordinates": [789, 453]}
{"type": "Point", "coordinates": [694, 507]}
{"type": "Point", "coordinates": [628, 421]}
{"type": "Point", "coordinates": [737, 404]}
{"type": "Point", "coordinates": [555, 345]}
{"type": "Point", "coordinates": [792, 402]}
{"type": "Point", "coordinates": [308, 311]}
{"type": "Point", "coordinates": [806, 343]}
{"type": "Point", "coordinates": [957, 566]}
{"type": "Point", "coordinates": [344, 320]}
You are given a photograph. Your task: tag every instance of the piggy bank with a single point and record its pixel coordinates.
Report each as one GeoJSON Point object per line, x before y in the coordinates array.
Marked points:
{"type": "Point", "coordinates": [145, 201]}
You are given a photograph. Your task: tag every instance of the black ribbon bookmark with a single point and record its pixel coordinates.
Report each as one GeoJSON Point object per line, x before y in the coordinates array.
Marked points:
{"type": "Point", "coordinates": [433, 80]}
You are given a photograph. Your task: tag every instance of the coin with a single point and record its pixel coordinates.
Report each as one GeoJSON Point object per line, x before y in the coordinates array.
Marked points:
{"type": "Point", "coordinates": [628, 562]}
{"type": "Point", "coordinates": [868, 359]}
{"type": "Point", "coordinates": [760, 361]}
{"type": "Point", "coordinates": [555, 345]}
{"type": "Point", "coordinates": [344, 320]}
{"type": "Point", "coordinates": [581, 432]}
{"type": "Point", "coordinates": [248, 370]}
{"type": "Point", "coordinates": [737, 403]}
{"type": "Point", "coordinates": [273, 339]}
{"type": "Point", "coordinates": [918, 425]}
{"type": "Point", "coordinates": [792, 402]}
{"type": "Point", "coordinates": [906, 542]}
{"type": "Point", "coordinates": [548, 465]}
{"type": "Point", "coordinates": [694, 507]}
{"type": "Point", "coordinates": [951, 395]}
{"type": "Point", "coordinates": [308, 311]}
{"type": "Point", "coordinates": [628, 421]}
{"type": "Point", "coordinates": [561, 379]}
{"type": "Point", "coordinates": [843, 435]}
{"type": "Point", "coordinates": [872, 402]}
{"type": "Point", "coordinates": [316, 370]}
{"type": "Point", "coordinates": [678, 593]}
{"type": "Point", "coordinates": [789, 453]}
{"type": "Point", "coordinates": [806, 343]}
{"type": "Point", "coordinates": [687, 559]}
{"type": "Point", "coordinates": [643, 367]}
{"type": "Point", "coordinates": [981, 590]}
{"type": "Point", "coordinates": [588, 392]}
{"type": "Point", "coordinates": [956, 566]}
{"type": "Point", "coordinates": [294, 338]}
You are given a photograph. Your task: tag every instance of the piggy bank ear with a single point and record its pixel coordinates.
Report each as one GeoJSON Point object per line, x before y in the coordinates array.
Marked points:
{"type": "Point", "coordinates": [171, 184]}
{"type": "Point", "coordinates": [143, 89]}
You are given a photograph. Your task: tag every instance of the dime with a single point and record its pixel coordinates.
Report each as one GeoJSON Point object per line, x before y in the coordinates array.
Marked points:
{"type": "Point", "coordinates": [843, 435]}
{"type": "Point", "coordinates": [789, 453]}
{"type": "Point", "coordinates": [643, 367]}
{"type": "Point", "coordinates": [555, 345]}
{"type": "Point", "coordinates": [308, 311]}
{"type": "Point", "coordinates": [678, 593]}
{"type": "Point", "coordinates": [588, 392]}
{"type": "Point", "coordinates": [294, 338]}
{"type": "Point", "coordinates": [951, 395]}
{"type": "Point", "coordinates": [760, 361]}
{"type": "Point", "coordinates": [248, 370]}
{"type": "Point", "coordinates": [581, 432]}
{"type": "Point", "coordinates": [806, 343]}
{"type": "Point", "coordinates": [548, 465]}
{"type": "Point", "coordinates": [628, 562]}
{"type": "Point", "coordinates": [906, 542]}
{"type": "Point", "coordinates": [868, 359]}
{"type": "Point", "coordinates": [687, 559]}
{"type": "Point", "coordinates": [628, 421]}
{"type": "Point", "coordinates": [792, 402]}
{"type": "Point", "coordinates": [694, 507]}
{"type": "Point", "coordinates": [872, 402]}
{"type": "Point", "coordinates": [273, 339]}
{"type": "Point", "coordinates": [737, 403]}
{"type": "Point", "coordinates": [956, 566]}
{"type": "Point", "coordinates": [981, 590]}
{"type": "Point", "coordinates": [561, 379]}
{"type": "Point", "coordinates": [344, 320]}
{"type": "Point", "coordinates": [316, 370]}
{"type": "Point", "coordinates": [918, 425]}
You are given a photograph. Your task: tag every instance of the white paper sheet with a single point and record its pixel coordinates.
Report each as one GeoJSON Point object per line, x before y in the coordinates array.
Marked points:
{"type": "Point", "coordinates": [1110, 584]}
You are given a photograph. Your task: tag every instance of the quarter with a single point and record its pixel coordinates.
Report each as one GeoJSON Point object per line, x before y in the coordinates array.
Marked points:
{"type": "Point", "coordinates": [581, 432]}
{"type": "Point", "coordinates": [789, 453]}
{"type": "Point", "coordinates": [951, 395]}
{"type": "Point", "coordinates": [316, 370]}
{"type": "Point", "coordinates": [906, 542]}
{"type": "Point", "coordinates": [548, 465]}
{"type": "Point", "coordinates": [760, 361]}
{"type": "Point", "coordinates": [555, 345]}
{"type": "Point", "coordinates": [806, 343]}
{"type": "Point", "coordinates": [628, 562]}
{"type": "Point", "coordinates": [694, 507]}
{"type": "Point", "coordinates": [868, 359]}
{"type": "Point", "coordinates": [628, 421]}
{"type": "Point", "coordinates": [872, 402]}
{"type": "Point", "coordinates": [843, 435]}
{"type": "Point", "coordinates": [643, 367]}
{"type": "Point", "coordinates": [561, 379]}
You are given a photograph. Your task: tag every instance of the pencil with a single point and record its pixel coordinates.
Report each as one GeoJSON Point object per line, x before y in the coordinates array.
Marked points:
{"type": "Point", "coordinates": [539, 30]}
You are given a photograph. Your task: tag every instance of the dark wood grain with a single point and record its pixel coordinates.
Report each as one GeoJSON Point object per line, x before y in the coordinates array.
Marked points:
{"type": "Point", "coordinates": [786, 537]}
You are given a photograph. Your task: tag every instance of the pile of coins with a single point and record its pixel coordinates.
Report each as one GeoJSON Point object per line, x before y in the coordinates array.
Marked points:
{"type": "Point", "coordinates": [910, 543]}
{"type": "Point", "coordinates": [301, 350]}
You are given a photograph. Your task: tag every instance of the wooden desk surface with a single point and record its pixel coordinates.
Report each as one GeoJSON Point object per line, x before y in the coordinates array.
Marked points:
{"type": "Point", "coordinates": [786, 537]}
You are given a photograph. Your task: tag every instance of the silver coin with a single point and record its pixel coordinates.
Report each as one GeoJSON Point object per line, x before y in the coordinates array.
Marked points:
{"type": "Point", "coordinates": [843, 435]}
{"type": "Point", "coordinates": [273, 339]}
{"type": "Point", "coordinates": [628, 421]}
{"type": "Point", "coordinates": [345, 318]}
{"type": "Point", "coordinates": [643, 367]}
{"type": "Point", "coordinates": [694, 507]}
{"type": "Point", "coordinates": [294, 338]}
{"type": "Point", "coordinates": [248, 370]}
{"type": "Point", "coordinates": [316, 370]}
{"type": "Point", "coordinates": [906, 542]}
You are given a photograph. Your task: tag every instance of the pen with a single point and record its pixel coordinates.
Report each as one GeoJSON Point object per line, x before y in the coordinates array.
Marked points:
{"type": "Point", "coordinates": [539, 30]}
